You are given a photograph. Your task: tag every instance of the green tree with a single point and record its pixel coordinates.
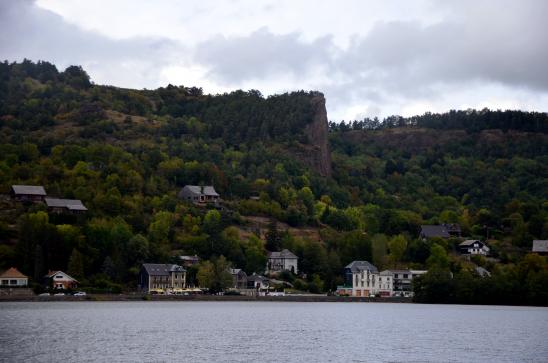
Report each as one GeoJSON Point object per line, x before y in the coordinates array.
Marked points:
{"type": "Point", "coordinates": [397, 246]}
{"type": "Point", "coordinates": [76, 265]}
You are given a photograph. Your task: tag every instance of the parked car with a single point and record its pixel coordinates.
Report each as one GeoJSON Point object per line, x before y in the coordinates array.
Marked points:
{"type": "Point", "coordinates": [80, 293]}
{"type": "Point", "coordinates": [59, 294]}
{"type": "Point", "coordinates": [44, 294]}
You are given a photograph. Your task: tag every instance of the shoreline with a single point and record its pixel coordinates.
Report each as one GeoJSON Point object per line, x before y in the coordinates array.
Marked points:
{"type": "Point", "coordinates": [141, 297]}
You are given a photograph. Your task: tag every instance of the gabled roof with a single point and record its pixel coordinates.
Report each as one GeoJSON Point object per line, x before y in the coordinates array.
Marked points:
{"type": "Point", "coordinates": [236, 271]}
{"type": "Point", "coordinates": [285, 253]}
{"type": "Point", "coordinates": [190, 258]}
{"type": "Point", "coordinates": [205, 190]}
{"type": "Point", "coordinates": [70, 204]}
{"type": "Point", "coordinates": [470, 242]}
{"type": "Point", "coordinates": [429, 231]}
{"type": "Point", "coordinates": [256, 277]}
{"type": "Point", "coordinates": [29, 189]}
{"type": "Point", "coordinates": [53, 273]}
{"type": "Point", "coordinates": [162, 269]}
{"type": "Point", "coordinates": [13, 273]}
{"type": "Point", "coordinates": [358, 266]}
{"type": "Point", "coordinates": [540, 245]}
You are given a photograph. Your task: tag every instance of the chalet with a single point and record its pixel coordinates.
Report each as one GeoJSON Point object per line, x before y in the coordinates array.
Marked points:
{"type": "Point", "coordinates": [284, 260]}
{"type": "Point", "coordinates": [239, 278]}
{"type": "Point", "coordinates": [73, 206]}
{"type": "Point", "coordinates": [13, 278]}
{"type": "Point", "coordinates": [188, 261]}
{"type": "Point", "coordinates": [431, 231]}
{"type": "Point", "coordinates": [199, 194]}
{"type": "Point", "coordinates": [28, 193]}
{"type": "Point", "coordinates": [162, 278]}
{"type": "Point", "coordinates": [473, 247]}
{"type": "Point", "coordinates": [540, 247]}
{"type": "Point", "coordinates": [60, 280]}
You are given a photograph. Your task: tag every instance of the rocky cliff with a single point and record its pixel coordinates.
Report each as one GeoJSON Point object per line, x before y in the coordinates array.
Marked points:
{"type": "Point", "coordinates": [317, 154]}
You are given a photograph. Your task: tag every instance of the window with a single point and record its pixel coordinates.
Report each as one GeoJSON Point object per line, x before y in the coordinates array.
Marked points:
{"type": "Point", "coordinates": [13, 282]}
{"type": "Point", "coordinates": [5, 282]}
{"type": "Point", "coordinates": [404, 276]}
{"type": "Point", "coordinates": [58, 277]}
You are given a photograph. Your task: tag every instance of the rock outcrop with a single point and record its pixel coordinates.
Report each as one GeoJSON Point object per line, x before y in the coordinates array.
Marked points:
{"type": "Point", "coordinates": [318, 155]}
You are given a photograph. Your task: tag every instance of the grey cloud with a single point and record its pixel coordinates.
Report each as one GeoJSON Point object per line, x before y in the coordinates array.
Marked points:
{"type": "Point", "coordinates": [37, 34]}
{"type": "Point", "coordinates": [262, 55]}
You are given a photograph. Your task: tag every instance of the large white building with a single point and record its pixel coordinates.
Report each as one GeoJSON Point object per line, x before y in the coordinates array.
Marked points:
{"type": "Point", "coordinates": [367, 281]}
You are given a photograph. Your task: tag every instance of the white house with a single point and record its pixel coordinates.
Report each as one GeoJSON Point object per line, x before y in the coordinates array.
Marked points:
{"type": "Point", "coordinates": [473, 247]}
{"type": "Point", "coordinates": [365, 279]}
{"type": "Point", "coordinates": [386, 283]}
{"type": "Point", "coordinates": [13, 278]}
{"type": "Point", "coordinates": [281, 261]}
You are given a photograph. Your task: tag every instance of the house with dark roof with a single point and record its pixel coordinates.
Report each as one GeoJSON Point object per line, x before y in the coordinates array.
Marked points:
{"type": "Point", "coordinates": [199, 194]}
{"type": "Point", "coordinates": [163, 278]}
{"type": "Point", "coordinates": [356, 266]}
{"type": "Point", "coordinates": [540, 247]}
{"type": "Point", "coordinates": [239, 278]}
{"type": "Point", "coordinates": [28, 193]}
{"type": "Point", "coordinates": [73, 206]}
{"type": "Point", "coordinates": [365, 278]}
{"type": "Point", "coordinates": [431, 231]}
{"type": "Point", "coordinates": [473, 247]}
{"type": "Point", "coordinates": [283, 260]}
{"type": "Point", "coordinates": [12, 277]}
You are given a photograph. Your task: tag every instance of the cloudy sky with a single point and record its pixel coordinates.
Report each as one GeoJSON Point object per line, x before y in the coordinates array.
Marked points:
{"type": "Point", "coordinates": [369, 58]}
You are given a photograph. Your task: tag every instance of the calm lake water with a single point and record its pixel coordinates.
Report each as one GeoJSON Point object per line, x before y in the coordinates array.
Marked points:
{"type": "Point", "coordinates": [270, 332]}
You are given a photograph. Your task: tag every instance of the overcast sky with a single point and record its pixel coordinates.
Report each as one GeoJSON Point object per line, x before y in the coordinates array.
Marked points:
{"type": "Point", "coordinates": [369, 58]}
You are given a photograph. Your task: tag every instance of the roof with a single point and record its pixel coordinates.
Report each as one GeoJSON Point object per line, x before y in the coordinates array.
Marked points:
{"type": "Point", "coordinates": [13, 273]}
{"type": "Point", "coordinates": [29, 189]}
{"type": "Point", "coordinates": [205, 190]}
{"type": "Point", "coordinates": [53, 273]}
{"type": "Point", "coordinates": [162, 269]}
{"type": "Point", "coordinates": [190, 258]}
{"type": "Point", "coordinates": [236, 271]}
{"type": "Point", "coordinates": [358, 266]}
{"type": "Point", "coordinates": [540, 245]}
{"type": "Point", "coordinates": [285, 253]}
{"type": "Point", "coordinates": [470, 242]}
{"type": "Point", "coordinates": [429, 231]}
{"type": "Point", "coordinates": [70, 204]}
{"type": "Point", "coordinates": [256, 277]}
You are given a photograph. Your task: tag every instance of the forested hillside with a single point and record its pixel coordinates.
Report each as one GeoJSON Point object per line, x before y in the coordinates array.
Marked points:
{"type": "Point", "coordinates": [126, 153]}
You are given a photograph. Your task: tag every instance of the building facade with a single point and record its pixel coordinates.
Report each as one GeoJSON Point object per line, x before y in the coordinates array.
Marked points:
{"type": "Point", "coordinates": [12, 277]}
{"type": "Point", "coordinates": [284, 260]}
{"type": "Point", "coordinates": [161, 278]}
{"type": "Point", "coordinates": [59, 280]}
{"type": "Point", "coordinates": [239, 278]}
{"type": "Point", "coordinates": [365, 278]}
{"type": "Point", "coordinates": [540, 246]}
{"type": "Point", "coordinates": [473, 247]}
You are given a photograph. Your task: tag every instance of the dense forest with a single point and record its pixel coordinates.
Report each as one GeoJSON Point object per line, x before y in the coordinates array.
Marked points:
{"type": "Point", "coordinates": [126, 153]}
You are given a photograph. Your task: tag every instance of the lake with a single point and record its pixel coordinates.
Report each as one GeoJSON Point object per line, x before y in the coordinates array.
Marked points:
{"type": "Point", "coordinates": [270, 332]}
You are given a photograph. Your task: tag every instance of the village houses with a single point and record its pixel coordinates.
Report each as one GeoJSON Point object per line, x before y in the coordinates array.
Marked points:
{"type": "Point", "coordinates": [473, 247]}
{"type": "Point", "coordinates": [540, 247]}
{"type": "Point", "coordinates": [28, 193]}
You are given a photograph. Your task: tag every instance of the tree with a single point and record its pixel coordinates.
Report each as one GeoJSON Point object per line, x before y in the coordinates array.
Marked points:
{"type": "Point", "coordinates": [397, 246]}
{"type": "Point", "coordinates": [273, 238]}
{"type": "Point", "coordinates": [378, 246]}
{"type": "Point", "coordinates": [438, 258]}
{"type": "Point", "coordinates": [76, 265]}
{"type": "Point", "coordinates": [215, 274]}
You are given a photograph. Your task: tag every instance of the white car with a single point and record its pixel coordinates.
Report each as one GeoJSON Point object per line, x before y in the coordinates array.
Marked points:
{"type": "Point", "coordinates": [44, 294]}
{"type": "Point", "coordinates": [80, 293]}
{"type": "Point", "coordinates": [60, 294]}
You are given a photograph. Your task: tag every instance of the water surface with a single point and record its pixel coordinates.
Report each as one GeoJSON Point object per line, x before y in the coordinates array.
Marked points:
{"type": "Point", "coordinates": [270, 332]}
